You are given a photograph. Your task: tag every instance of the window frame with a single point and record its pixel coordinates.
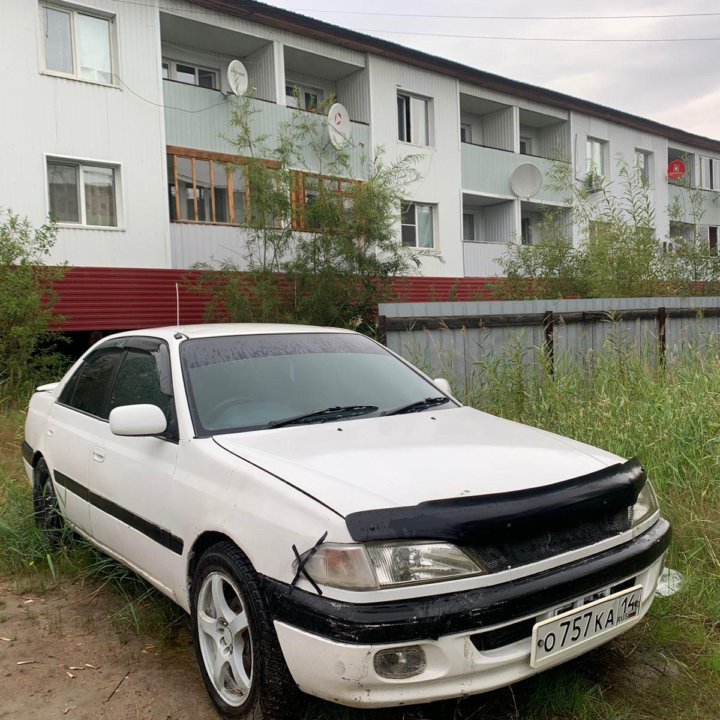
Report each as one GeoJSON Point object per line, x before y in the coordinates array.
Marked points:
{"type": "Point", "coordinates": [299, 192]}
{"type": "Point", "coordinates": [172, 64]}
{"type": "Point", "coordinates": [408, 127]}
{"type": "Point", "coordinates": [74, 11]}
{"type": "Point", "coordinates": [466, 130]}
{"type": "Point", "coordinates": [595, 175]}
{"type": "Point", "coordinates": [471, 217]}
{"type": "Point", "coordinates": [417, 246]}
{"type": "Point", "coordinates": [644, 172]}
{"type": "Point", "coordinates": [303, 90]}
{"type": "Point", "coordinates": [528, 141]}
{"type": "Point", "coordinates": [711, 183]}
{"type": "Point", "coordinates": [213, 158]}
{"type": "Point", "coordinates": [81, 164]}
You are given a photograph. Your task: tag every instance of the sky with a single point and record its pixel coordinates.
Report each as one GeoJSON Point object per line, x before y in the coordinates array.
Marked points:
{"type": "Point", "coordinates": [675, 83]}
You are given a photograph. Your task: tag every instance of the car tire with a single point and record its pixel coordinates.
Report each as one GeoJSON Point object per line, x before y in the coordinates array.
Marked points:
{"type": "Point", "coordinates": [48, 518]}
{"type": "Point", "coordinates": [236, 646]}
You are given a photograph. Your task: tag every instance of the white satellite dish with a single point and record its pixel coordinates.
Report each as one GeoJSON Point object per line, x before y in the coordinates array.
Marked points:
{"type": "Point", "coordinates": [339, 125]}
{"type": "Point", "coordinates": [526, 180]}
{"type": "Point", "coordinates": [237, 77]}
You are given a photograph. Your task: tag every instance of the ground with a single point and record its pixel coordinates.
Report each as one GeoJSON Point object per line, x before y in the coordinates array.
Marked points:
{"type": "Point", "coordinates": [61, 656]}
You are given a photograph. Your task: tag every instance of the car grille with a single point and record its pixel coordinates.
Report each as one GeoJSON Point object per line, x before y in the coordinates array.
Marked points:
{"type": "Point", "coordinates": [535, 547]}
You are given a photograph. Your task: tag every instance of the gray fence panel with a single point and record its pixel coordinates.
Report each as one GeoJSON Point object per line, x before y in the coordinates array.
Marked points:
{"type": "Point", "coordinates": [453, 339]}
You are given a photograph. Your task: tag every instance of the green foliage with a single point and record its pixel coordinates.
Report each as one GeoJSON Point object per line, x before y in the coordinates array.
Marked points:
{"type": "Point", "coordinates": [319, 247]}
{"type": "Point", "coordinates": [619, 253]}
{"type": "Point", "coordinates": [26, 301]}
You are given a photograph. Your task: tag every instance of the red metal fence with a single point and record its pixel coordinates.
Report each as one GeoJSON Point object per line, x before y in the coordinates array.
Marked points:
{"type": "Point", "coordinates": [92, 298]}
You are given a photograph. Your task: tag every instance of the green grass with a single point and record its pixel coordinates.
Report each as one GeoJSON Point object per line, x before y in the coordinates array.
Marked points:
{"type": "Point", "coordinates": [669, 417]}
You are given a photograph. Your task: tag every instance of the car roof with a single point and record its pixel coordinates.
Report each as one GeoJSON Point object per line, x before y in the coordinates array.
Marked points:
{"type": "Point", "coordinates": [226, 329]}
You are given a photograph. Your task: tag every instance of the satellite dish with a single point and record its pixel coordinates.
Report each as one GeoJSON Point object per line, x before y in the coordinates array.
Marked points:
{"type": "Point", "coordinates": [339, 125]}
{"type": "Point", "coordinates": [237, 77]}
{"type": "Point", "coordinates": [526, 180]}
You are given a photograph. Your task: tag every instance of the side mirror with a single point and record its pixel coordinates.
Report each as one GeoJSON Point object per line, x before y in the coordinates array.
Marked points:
{"type": "Point", "coordinates": [137, 420]}
{"type": "Point", "coordinates": [443, 385]}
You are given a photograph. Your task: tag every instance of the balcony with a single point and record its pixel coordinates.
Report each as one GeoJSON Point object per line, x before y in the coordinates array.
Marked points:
{"type": "Point", "coordinates": [707, 211]}
{"type": "Point", "coordinates": [199, 118]}
{"type": "Point", "coordinates": [487, 171]}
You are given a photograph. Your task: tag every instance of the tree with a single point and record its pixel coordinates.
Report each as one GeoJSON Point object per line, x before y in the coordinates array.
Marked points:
{"type": "Point", "coordinates": [319, 247]}
{"type": "Point", "coordinates": [618, 253]}
{"type": "Point", "coordinates": [26, 301]}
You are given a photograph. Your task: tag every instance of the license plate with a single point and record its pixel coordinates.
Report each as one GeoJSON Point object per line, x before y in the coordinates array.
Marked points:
{"type": "Point", "coordinates": [570, 630]}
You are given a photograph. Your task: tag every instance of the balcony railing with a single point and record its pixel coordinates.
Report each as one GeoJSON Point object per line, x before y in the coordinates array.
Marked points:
{"type": "Point", "coordinates": [487, 170]}
{"type": "Point", "coordinates": [199, 118]}
{"type": "Point", "coordinates": [708, 212]}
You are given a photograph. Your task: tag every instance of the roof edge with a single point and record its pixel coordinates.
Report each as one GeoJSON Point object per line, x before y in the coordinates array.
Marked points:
{"type": "Point", "coordinates": [319, 30]}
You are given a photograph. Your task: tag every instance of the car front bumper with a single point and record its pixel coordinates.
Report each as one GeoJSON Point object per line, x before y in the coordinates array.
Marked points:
{"type": "Point", "coordinates": [474, 641]}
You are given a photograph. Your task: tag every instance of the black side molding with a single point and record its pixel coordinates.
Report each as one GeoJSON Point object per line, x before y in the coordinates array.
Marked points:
{"type": "Point", "coordinates": [468, 520]}
{"type": "Point", "coordinates": [154, 532]}
{"type": "Point", "coordinates": [27, 452]}
{"type": "Point", "coordinates": [432, 617]}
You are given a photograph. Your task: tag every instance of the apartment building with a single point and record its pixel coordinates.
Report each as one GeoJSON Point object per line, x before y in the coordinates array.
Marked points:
{"type": "Point", "coordinates": [116, 118]}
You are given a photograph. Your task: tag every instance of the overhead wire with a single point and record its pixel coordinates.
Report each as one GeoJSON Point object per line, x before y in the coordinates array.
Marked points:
{"type": "Point", "coordinates": [506, 38]}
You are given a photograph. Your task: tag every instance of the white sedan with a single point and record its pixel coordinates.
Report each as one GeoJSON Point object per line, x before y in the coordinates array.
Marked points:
{"type": "Point", "coordinates": [334, 520]}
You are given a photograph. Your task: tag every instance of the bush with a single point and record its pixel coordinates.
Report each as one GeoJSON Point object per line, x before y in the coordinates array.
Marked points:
{"type": "Point", "coordinates": [26, 304]}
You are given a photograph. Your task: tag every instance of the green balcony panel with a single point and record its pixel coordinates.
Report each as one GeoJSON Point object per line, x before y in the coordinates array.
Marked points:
{"type": "Point", "coordinates": [199, 118]}
{"type": "Point", "coordinates": [487, 170]}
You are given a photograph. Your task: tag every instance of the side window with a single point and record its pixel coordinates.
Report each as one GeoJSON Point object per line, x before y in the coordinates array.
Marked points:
{"type": "Point", "coordinates": [88, 389]}
{"type": "Point", "coordinates": [144, 378]}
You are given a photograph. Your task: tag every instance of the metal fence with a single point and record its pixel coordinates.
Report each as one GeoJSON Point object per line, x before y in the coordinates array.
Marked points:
{"type": "Point", "coordinates": [453, 339]}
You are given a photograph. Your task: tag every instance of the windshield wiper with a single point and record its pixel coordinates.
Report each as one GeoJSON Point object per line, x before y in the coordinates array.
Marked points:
{"type": "Point", "coordinates": [418, 405]}
{"type": "Point", "coordinates": [331, 413]}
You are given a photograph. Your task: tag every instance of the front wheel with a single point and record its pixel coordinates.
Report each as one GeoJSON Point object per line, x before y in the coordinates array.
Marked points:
{"type": "Point", "coordinates": [235, 642]}
{"type": "Point", "coordinates": [48, 519]}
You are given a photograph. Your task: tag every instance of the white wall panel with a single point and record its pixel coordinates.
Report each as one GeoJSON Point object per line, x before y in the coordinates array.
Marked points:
{"type": "Point", "coordinates": [353, 91]}
{"type": "Point", "coordinates": [481, 259]}
{"type": "Point", "coordinates": [438, 164]}
{"type": "Point", "coordinates": [46, 114]}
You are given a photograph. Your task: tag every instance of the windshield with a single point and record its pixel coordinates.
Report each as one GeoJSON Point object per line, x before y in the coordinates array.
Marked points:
{"type": "Point", "coordinates": [249, 382]}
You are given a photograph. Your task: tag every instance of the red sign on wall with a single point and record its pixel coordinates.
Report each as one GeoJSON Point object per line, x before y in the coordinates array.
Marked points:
{"type": "Point", "coordinates": [676, 169]}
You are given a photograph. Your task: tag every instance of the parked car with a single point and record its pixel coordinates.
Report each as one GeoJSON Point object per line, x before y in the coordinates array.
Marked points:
{"type": "Point", "coordinates": [334, 520]}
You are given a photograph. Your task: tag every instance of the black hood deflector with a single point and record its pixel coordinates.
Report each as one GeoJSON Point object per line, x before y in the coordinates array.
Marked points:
{"type": "Point", "coordinates": [469, 520]}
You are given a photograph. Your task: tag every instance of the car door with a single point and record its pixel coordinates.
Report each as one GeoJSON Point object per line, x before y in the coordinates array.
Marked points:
{"type": "Point", "coordinates": [134, 475]}
{"type": "Point", "coordinates": [74, 425]}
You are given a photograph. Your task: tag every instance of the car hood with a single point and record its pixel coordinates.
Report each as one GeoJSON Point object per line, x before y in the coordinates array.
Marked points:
{"type": "Point", "coordinates": [384, 462]}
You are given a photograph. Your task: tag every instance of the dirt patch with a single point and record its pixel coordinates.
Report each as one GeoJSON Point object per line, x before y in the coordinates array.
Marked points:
{"type": "Point", "coordinates": [61, 656]}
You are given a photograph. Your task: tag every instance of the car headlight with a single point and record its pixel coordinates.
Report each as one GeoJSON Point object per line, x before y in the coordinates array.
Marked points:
{"type": "Point", "coordinates": [645, 506]}
{"type": "Point", "coordinates": [369, 567]}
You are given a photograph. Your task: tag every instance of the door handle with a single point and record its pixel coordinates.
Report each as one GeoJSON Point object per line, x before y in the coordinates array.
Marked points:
{"type": "Point", "coordinates": [50, 430]}
{"type": "Point", "coordinates": [98, 454]}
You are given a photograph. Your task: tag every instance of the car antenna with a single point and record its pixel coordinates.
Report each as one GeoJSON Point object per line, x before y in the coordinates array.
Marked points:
{"type": "Point", "coordinates": [178, 335]}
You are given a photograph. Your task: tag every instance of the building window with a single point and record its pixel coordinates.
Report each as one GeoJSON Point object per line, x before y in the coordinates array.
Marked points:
{"type": "Point", "coordinates": [207, 188]}
{"type": "Point", "coordinates": [526, 234]}
{"type": "Point", "coordinates": [190, 74]}
{"type": "Point", "coordinates": [303, 97]}
{"type": "Point", "coordinates": [417, 225]}
{"type": "Point", "coordinates": [413, 119]}
{"type": "Point", "coordinates": [82, 194]}
{"type": "Point", "coordinates": [526, 146]}
{"type": "Point", "coordinates": [713, 239]}
{"type": "Point", "coordinates": [78, 44]}
{"type": "Point", "coordinates": [315, 198]}
{"type": "Point", "coordinates": [642, 166]}
{"type": "Point", "coordinates": [595, 163]}
{"type": "Point", "coordinates": [466, 133]}
{"type": "Point", "coordinates": [709, 173]}
{"type": "Point", "coordinates": [468, 227]}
